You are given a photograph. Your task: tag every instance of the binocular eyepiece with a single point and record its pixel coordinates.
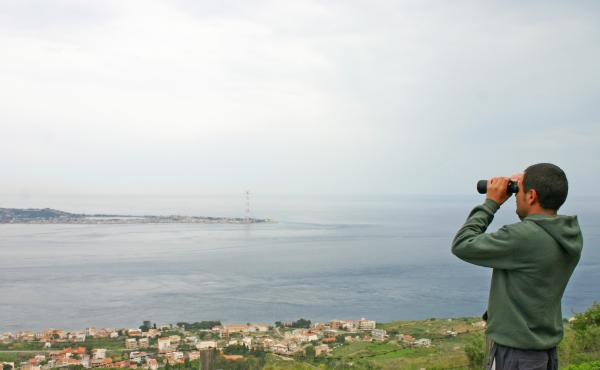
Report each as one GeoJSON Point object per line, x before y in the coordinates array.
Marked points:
{"type": "Point", "coordinates": [512, 188]}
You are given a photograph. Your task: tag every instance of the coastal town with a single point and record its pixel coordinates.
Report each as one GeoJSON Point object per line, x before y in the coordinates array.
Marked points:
{"type": "Point", "coordinates": [164, 346]}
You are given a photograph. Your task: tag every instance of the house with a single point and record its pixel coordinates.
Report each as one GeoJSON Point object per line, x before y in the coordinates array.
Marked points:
{"type": "Point", "coordinates": [58, 334]}
{"type": "Point", "coordinates": [378, 334]}
{"type": "Point", "coordinates": [175, 340]}
{"type": "Point", "coordinates": [131, 343]}
{"type": "Point", "coordinates": [405, 338]}
{"type": "Point", "coordinates": [267, 344]}
{"type": "Point", "coordinates": [364, 324]}
{"type": "Point", "coordinates": [134, 332]}
{"type": "Point", "coordinates": [348, 325]}
{"type": "Point", "coordinates": [328, 340]}
{"type": "Point", "coordinates": [280, 348]}
{"type": "Point", "coordinates": [164, 344]}
{"type": "Point", "coordinates": [423, 342]}
{"type": "Point", "coordinates": [206, 344]}
{"type": "Point", "coordinates": [194, 355]}
{"type": "Point", "coordinates": [73, 351]}
{"type": "Point", "coordinates": [152, 333]}
{"type": "Point", "coordinates": [233, 357]}
{"type": "Point", "coordinates": [322, 349]}
{"type": "Point", "coordinates": [335, 324]}
{"type": "Point", "coordinates": [90, 332]}
{"type": "Point", "coordinates": [78, 337]}
{"type": "Point", "coordinates": [121, 364]}
{"type": "Point", "coordinates": [138, 357]}
{"type": "Point", "coordinates": [228, 329]}
{"type": "Point", "coordinates": [174, 358]}
{"type": "Point", "coordinates": [191, 340]}
{"type": "Point", "coordinates": [143, 343]}
{"type": "Point", "coordinates": [107, 362]}
{"type": "Point", "coordinates": [152, 364]}
{"type": "Point", "coordinates": [99, 353]}
{"type": "Point", "coordinates": [25, 336]}
{"type": "Point", "coordinates": [29, 366]}
{"type": "Point", "coordinates": [247, 341]}
{"type": "Point", "coordinates": [258, 328]}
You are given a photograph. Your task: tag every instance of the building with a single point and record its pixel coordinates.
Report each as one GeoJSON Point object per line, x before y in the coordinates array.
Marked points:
{"type": "Point", "coordinates": [131, 343]}
{"type": "Point", "coordinates": [174, 358]}
{"type": "Point", "coordinates": [191, 340]}
{"type": "Point", "coordinates": [144, 343]}
{"type": "Point", "coordinates": [322, 349]}
{"type": "Point", "coordinates": [152, 364]}
{"type": "Point", "coordinates": [423, 342]}
{"type": "Point", "coordinates": [247, 341]}
{"type": "Point", "coordinates": [378, 334]}
{"type": "Point", "coordinates": [175, 339]}
{"type": "Point", "coordinates": [164, 345]}
{"type": "Point", "coordinates": [258, 328]}
{"type": "Point", "coordinates": [364, 324]}
{"type": "Point", "coordinates": [206, 344]}
{"type": "Point", "coordinates": [152, 333]}
{"type": "Point", "coordinates": [134, 333]}
{"type": "Point", "coordinates": [99, 353]}
{"type": "Point", "coordinates": [405, 338]}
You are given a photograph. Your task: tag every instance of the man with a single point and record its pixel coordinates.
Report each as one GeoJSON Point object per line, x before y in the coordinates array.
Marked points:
{"type": "Point", "coordinates": [532, 262]}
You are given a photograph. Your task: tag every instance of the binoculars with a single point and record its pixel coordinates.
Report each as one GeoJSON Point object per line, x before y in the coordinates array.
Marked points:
{"type": "Point", "coordinates": [512, 188]}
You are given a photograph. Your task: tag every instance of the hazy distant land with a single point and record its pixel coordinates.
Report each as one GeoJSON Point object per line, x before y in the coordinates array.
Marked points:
{"type": "Point", "coordinates": [53, 216]}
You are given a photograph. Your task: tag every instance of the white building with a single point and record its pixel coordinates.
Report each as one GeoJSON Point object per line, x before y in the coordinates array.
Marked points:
{"type": "Point", "coordinates": [364, 324]}
{"type": "Point", "coordinates": [205, 344]}
{"type": "Point", "coordinates": [378, 334]}
{"type": "Point", "coordinates": [164, 345]}
{"type": "Point", "coordinates": [99, 353]}
{"type": "Point", "coordinates": [423, 342]}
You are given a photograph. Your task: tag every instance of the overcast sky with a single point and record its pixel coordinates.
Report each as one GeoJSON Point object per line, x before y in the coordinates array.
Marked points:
{"type": "Point", "coordinates": [357, 97]}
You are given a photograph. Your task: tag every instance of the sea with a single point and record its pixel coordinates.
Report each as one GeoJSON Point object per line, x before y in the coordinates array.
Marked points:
{"type": "Point", "coordinates": [326, 257]}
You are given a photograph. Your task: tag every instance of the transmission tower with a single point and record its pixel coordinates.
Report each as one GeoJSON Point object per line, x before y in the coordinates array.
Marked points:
{"type": "Point", "coordinates": [247, 218]}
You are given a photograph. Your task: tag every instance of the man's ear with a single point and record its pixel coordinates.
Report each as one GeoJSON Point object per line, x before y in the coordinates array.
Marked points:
{"type": "Point", "coordinates": [532, 197]}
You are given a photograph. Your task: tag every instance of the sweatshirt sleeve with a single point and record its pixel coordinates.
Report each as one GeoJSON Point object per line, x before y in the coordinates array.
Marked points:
{"type": "Point", "coordinates": [473, 245]}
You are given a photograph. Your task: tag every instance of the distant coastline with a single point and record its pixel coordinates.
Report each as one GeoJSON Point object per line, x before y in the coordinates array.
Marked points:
{"type": "Point", "coordinates": [53, 216]}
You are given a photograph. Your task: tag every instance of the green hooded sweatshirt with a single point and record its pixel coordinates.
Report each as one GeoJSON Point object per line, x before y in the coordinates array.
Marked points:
{"type": "Point", "coordinates": [532, 261]}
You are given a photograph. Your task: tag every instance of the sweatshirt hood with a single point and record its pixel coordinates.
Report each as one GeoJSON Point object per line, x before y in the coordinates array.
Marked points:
{"type": "Point", "coordinates": [564, 229]}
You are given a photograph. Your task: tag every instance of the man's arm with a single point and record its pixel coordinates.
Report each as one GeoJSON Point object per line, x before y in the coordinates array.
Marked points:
{"type": "Point", "coordinates": [473, 245]}
{"type": "Point", "coordinates": [496, 250]}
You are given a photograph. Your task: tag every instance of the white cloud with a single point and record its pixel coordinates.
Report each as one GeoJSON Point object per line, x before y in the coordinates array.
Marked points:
{"type": "Point", "coordinates": [302, 96]}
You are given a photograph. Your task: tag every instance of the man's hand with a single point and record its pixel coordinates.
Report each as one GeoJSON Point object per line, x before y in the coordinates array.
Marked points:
{"type": "Point", "coordinates": [496, 189]}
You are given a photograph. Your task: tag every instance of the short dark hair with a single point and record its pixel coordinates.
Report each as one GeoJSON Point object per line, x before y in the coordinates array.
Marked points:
{"type": "Point", "coordinates": [550, 183]}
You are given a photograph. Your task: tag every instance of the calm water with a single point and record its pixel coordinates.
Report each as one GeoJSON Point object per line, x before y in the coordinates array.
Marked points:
{"type": "Point", "coordinates": [385, 258]}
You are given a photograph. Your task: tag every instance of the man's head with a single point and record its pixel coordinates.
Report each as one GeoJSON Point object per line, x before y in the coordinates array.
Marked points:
{"type": "Point", "coordinates": [543, 189]}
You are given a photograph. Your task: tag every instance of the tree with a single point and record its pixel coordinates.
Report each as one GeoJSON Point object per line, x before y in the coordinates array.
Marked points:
{"type": "Point", "coordinates": [145, 326]}
{"type": "Point", "coordinates": [310, 353]}
{"type": "Point", "coordinates": [587, 329]}
{"type": "Point", "coordinates": [302, 323]}
{"type": "Point", "coordinates": [475, 351]}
